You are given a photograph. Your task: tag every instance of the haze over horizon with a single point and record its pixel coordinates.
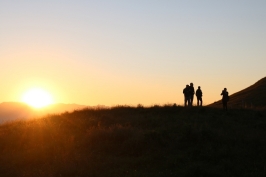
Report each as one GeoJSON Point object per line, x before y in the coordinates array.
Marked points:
{"type": "Point", "coordinates": [130, 52]}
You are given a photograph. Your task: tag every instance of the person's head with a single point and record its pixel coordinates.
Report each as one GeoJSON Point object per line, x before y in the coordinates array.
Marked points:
{"type": "Point", "coordinates": [199, 87]}
{"type": "Point", "coordinates": [191, 84]}
{"type": "Point", "coordinates": [187, 85]}
{"type": "Point", "coordinates": [225, 89]}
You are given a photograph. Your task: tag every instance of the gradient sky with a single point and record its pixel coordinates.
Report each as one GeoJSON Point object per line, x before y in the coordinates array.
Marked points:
{"type": "Point", "coordinates": [129, 52]}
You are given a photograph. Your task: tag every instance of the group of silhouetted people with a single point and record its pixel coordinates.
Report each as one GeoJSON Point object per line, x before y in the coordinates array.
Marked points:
{"type": "Point", "coordinates": [189, 93]}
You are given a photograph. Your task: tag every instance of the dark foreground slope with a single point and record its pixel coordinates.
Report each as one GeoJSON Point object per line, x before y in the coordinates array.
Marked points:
{"type": "Point", "coordinates": [253, 96]}
{"type": "Point", "coordinates": [149, 142]}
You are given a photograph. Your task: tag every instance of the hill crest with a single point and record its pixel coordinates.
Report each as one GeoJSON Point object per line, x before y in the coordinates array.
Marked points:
{"type": "Point", "coordinates": [252, 96]}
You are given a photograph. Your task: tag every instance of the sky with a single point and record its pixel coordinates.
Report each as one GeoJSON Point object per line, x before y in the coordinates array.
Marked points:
{"type": "Point", "coordinates": [130, 52]}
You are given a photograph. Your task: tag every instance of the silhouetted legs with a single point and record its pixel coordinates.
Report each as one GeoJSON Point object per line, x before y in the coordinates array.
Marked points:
{"type": "Point", "coordinates": [191, 100]}
{"type": "Point", "coordinates": [224, 104]}
{"type": "Point", "coordinates": [187, 101]}
{"type": "Point", "coordinates": [199, 99]}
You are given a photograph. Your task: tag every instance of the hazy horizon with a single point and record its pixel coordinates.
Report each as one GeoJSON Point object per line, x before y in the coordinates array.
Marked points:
{"type": "Point", "coordinates": [130, 52]}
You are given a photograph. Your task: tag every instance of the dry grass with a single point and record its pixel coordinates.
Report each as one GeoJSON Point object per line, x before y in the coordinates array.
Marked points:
{"type": "Point", "coordinates": [127, 141]}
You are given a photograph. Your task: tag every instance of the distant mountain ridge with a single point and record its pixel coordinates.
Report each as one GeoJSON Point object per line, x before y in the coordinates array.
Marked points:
{"type": "Point", "coordinates": [14, 110]}
{"type": "Point", "coordinates": [252, 96]}
{"type": "Point", "coordinates": [10, 111]}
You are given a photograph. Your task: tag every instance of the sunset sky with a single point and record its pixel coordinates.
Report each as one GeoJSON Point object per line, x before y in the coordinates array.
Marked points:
{"type": "Point", "coordinates": [129, 52]}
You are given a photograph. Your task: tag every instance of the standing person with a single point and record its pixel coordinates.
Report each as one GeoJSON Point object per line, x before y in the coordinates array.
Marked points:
{"type": "Point", "coordinates": [225, 98]}
{"type": "Point", "coordinates": [186, 95]}
{"type": "Point", "coordinates": [199, 96]}
{"type": "Point", "coordinates": [192, 92]}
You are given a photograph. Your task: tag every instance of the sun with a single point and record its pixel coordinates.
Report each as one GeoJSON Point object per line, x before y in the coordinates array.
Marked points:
{"type": "Point", "coordinates": [37, 98]}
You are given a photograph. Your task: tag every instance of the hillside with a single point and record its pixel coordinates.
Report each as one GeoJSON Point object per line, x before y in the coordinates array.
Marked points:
{"type": "Point", "coordinates": [250, 97]}
{"type": "Point", "coordinates": [136, 142]}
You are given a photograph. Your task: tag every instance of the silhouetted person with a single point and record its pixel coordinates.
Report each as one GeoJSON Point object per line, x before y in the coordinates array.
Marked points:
{"type": "Point", "coordinates": [199, 96]}
{"type": "Point", "coordinates": [186, 93]}
{"type": "Point", "coordinates": [225, 98]}
{"type": "Point", "coordinates": [192, 92]}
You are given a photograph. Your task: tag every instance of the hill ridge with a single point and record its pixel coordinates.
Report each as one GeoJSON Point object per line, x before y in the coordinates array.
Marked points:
{"type": "Point", "coordinates": [252, 96]}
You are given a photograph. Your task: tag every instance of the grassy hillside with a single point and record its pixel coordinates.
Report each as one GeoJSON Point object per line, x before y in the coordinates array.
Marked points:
{"type": "Point", "coordinates": [253, 96]}
{"type": "Point", "coordinates": [136, 142]}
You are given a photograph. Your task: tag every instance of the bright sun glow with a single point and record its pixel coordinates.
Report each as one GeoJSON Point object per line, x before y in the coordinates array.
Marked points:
{"type": "Point", "coordinates": [37, 98]}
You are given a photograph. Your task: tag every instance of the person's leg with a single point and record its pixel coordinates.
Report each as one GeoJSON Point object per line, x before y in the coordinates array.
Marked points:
{"type": "Point", "coordinates": [186, 101]}
{"type": "Point", "coordinates": [226, 105]}
{"type": "Point", "coordinates": [191, 101]}
{"type": "Point", "coordinates": [200, 101]}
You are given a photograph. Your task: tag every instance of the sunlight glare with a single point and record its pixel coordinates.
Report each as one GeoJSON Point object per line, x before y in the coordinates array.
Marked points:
{"type": "Point", "coordinates": [37, 98]}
